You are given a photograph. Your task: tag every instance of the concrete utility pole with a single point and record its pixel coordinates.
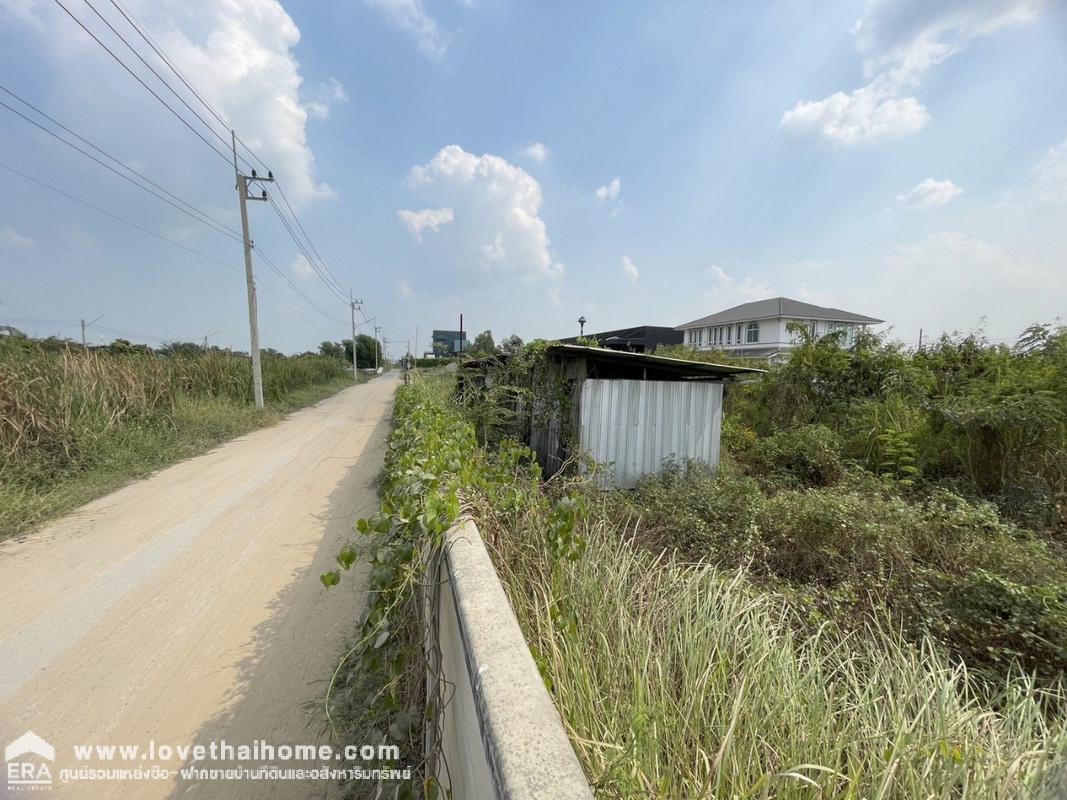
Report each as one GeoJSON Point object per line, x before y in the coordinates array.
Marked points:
{"type": "Point", "coordinates": [85, 325]}
{"type": "Point", "coordinates": [377, 330]}
{"type": "Point", "coordinates": [243, 182]}
{"type": "Point", "coordinates": [354, 304]}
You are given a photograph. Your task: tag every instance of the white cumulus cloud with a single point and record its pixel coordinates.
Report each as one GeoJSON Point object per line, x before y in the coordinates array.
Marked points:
{"type": "Point", "coordinates": [629, 269]}
{"type": "Point", "coordinates": [898, 43]}
{"type": "Point", "coordinates": [535, 151]}
{"type": "Point", "coordinates": [930, 193]}
{"type": "Point", "coordinates": [609, 191]}
{"type": "Point", "coordinates": [498, 209]}
{"type": "Point", "coordinates": [432, 218]}
{"type": "Point", "coordinates": [410, 16]}
{"type": "Point", "coordinates": [870, 114]}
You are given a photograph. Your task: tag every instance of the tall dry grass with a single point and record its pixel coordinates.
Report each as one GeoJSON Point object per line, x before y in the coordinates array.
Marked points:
{"type": "Point", "coordinates": [61, 401]}
{"type": "Point", "coordinates": [680, 681]}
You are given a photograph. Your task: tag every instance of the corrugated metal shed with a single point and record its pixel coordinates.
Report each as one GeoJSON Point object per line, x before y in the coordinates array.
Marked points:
{"type": "Point", "coordinates": [631, 411]}
{"type": "Point", "coordinates": [632, 427]}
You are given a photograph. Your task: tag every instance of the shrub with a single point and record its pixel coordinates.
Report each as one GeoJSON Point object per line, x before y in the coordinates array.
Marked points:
{"type": "Point", "coordinates": [828, 537]}
{"type": "Point", "coordinates": [705, 513]}
{"type": "Point", "coordinates": [809, 455]}
{"type": "Point", "coordinates": [989, 619]}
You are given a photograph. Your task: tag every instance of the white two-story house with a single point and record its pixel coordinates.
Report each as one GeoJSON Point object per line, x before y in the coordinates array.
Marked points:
{"type": "Point", "coordinates": [760, 329]}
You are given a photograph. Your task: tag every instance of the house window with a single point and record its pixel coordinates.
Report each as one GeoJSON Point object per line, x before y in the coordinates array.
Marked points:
{"type": "Point", "coordinates": [737, 338]}
{"type": "Point", "coordinates": [752, 333]}
{"type": "Point", "coordinates": [729, 334]}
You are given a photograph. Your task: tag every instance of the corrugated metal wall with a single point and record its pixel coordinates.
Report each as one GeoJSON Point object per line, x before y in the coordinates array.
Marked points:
{"type": "Point", "coordinates": [633, 426]}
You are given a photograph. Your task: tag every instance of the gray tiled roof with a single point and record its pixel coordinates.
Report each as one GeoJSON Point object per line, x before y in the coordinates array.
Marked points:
{"type": "Point", "coordinates": [778, 307]}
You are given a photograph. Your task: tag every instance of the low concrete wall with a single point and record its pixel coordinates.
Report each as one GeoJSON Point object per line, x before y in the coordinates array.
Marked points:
{"type": "Point", "coordinates": [499, 733]}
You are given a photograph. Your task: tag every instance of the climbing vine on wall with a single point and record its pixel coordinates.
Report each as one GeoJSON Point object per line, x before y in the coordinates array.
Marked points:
{"type": "Point", "coordinates": [434, 465]}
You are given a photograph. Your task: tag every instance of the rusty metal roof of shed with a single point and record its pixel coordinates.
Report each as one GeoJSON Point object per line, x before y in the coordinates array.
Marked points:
{"type": "Point", "coordinates": [681, 366]}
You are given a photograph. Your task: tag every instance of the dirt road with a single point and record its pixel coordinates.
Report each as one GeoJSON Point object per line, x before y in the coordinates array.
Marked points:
{"type": "Point", "coordinates": [186, 608]}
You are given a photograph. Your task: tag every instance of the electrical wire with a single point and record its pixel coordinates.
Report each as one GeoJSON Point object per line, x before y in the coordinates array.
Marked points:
{"type": "Point", "coordinates": [334, 286]}
{"type": "Point", "coordinates": [142, 229]}
{"type": "Point", "coordinates": [322, 260]}
{"type": "Point", "coordinates": [138, 78]}
{"type": "Point", "coordinates": [320, 266]}
{"type": "Point", "coordinates": [277, 271]}
{"type": "Point", "coordinates": [214, 222]}
{"type": "Point", "coordinates": [117, 218]}
{"type": "Point", "coordinates": [339, 294]}
{"type": "Point", "coordinates": [128, 16]}
{"type": "Point", "coordinates": [159, 77]}
{"type": "Point", "coordinates": [218, 227]}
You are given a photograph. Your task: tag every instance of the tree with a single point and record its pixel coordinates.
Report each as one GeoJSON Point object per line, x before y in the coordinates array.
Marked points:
{"type": "Point", "coordinates": [512, 345]}
{"type": "Point", "coordinates": [368, 350]}
{"type": "Point", "coordinates": [333, 350]}
{"type": "Point", "coordinates": [483, 345]}
{"type": "Point", "coordinates": [184, 349]}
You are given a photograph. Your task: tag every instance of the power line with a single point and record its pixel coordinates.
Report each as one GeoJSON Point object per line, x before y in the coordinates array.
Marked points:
{"type": "Point", "coordinates": [277, 271]}
{"type": "Point", "coordinates": [116, 217]}
{"type": "Point", "coordinates": [311, 261]}
{"type": "Point", "coordinates": [128, 16]}
{"type": "Point", "coordinates": [152, 69]}
{"type": "Point", "coordinates": [217, 226]}
{"type": "Point", "coordinates": [140, 228]}
{"type": "Point", "coordinates": [214, 222]}
{"type": "Point", "coordinates": [138, 78]}
{"type": "Point", "coordinates": [187, 124]}
{"type": "Point", "coordinates": [311, 243]}
{"type": "Point", "coordinates": [324, 272]}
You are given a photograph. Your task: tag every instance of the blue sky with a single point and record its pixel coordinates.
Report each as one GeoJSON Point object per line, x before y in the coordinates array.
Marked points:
{"type": "Point", "coordinates": [528, 163]}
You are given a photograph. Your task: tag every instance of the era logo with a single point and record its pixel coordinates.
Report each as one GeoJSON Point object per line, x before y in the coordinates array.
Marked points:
{"type": "Point", "coordinates": [23, 773]}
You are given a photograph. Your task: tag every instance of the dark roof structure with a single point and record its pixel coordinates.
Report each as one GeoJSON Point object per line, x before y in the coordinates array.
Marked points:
{"type": "Point", "coordinates": [639, 337]}
{"type": "Point", "coordinates": [778, 307]}
{"type": "Point", "coordinates": [623, 362]}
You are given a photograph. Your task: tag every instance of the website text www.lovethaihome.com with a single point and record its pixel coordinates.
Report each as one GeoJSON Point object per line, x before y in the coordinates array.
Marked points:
{"type": "Point", "coordinates": [32, 763]}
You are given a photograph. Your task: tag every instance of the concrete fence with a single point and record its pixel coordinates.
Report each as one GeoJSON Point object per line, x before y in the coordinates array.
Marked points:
{"type": "Point", "coordinates": [498, 735]}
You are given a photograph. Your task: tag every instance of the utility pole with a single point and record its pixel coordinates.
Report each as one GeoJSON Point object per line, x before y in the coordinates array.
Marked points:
{"type": "Point", "coordinates": [85, 345]}
{"type": "Point", "coordinates": [377, 329]}
{"type": "Point", "coordinates": [243, 182]}
{"type": "Point", "coordinates": [353, 304]}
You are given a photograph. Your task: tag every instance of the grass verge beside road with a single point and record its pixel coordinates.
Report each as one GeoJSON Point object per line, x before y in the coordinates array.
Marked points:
{"type": "Point", "coordinates": [76, 425]}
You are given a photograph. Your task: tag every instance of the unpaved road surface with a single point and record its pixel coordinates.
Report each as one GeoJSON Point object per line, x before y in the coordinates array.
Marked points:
{"type": "Point", "coordinates": [186, 608]}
